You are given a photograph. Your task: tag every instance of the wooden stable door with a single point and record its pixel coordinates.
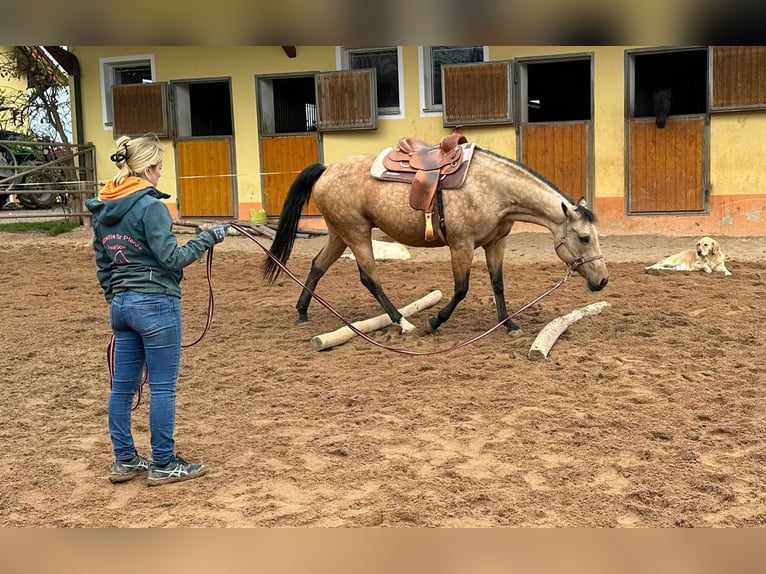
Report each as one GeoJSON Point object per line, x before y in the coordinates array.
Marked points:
{"type": "Point", "coordinates": [282, 158]}
{"type": "Point", "coordinates": [205, 178]}
{"type": "Point", "coordinates": [667, 165]}
{"type": "Point", "coordinates": [559, 152]}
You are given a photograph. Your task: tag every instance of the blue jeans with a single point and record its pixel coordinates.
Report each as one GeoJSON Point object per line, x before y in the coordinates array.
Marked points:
{"type": "Point", "coordinates": [147, 330]}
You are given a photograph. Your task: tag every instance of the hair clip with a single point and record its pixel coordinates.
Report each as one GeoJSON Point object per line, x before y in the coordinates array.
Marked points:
{"type": "Point", "coordinates": [117, 157]}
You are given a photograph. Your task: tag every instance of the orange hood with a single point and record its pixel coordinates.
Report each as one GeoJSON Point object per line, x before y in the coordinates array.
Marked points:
{"type": "Point", "coordinates": [129, 185]}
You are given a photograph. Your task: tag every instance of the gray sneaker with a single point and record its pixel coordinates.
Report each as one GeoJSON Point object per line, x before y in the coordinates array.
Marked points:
{"type": "Point", "coordinates": [123, 471]}
{"type": "Point", "coordinates": [176, 470]}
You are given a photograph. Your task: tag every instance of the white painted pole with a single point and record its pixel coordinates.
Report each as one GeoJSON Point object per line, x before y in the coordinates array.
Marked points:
{"type": "Point", "coordinates": [340, 336]}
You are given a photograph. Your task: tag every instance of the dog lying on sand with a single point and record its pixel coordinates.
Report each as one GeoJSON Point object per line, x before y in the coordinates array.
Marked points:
{"type": "Point", "coordinates": [706, 256]}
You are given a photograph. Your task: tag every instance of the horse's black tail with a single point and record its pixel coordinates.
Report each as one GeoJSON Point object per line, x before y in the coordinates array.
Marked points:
{"type": "Point", "coordinates": [297, 198]}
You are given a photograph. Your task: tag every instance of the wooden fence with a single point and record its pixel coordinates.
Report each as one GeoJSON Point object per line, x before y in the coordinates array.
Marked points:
{"type": "Point", "coordinates": [35, 169]}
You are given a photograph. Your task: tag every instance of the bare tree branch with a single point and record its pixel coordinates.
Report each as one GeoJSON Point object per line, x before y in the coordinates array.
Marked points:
{"type": "Point", "coordinates": [43, 110]}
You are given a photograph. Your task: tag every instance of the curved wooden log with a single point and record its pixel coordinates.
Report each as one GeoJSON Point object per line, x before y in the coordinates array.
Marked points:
{"type": "Point", "coordinates": [542, 344]}
{"type": "Point", "coordinates": [340, 336]}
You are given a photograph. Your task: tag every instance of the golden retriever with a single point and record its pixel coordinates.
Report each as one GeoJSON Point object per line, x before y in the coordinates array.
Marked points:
{"type": "Point", "coordinates": [707, 257]}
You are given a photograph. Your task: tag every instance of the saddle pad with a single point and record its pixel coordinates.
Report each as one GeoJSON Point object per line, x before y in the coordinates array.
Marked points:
{"type": "Point", "coordinates": [378, 170]}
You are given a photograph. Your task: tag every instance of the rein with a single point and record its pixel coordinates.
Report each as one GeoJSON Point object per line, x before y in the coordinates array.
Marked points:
{"type": "Point", "coordinates": [210, 308]}
{"type": "Point", "coordinates": [372, 341]}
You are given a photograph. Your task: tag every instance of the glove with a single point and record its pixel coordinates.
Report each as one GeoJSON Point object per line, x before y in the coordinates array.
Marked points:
{"type": "Point", "coordinates": [218, 231]}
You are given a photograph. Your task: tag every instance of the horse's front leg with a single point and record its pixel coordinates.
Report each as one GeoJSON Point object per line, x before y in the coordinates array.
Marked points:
{"type": "Point", "coordinates": [329, 254]}
{"type": "Point", "coordinates": [495, 252]}
{"type": "Point", "coordinates": [367, 275]}
{"type": "Point", "coordinates": [462, 257]}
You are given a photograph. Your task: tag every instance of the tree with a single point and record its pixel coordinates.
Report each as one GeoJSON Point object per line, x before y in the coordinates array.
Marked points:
{"type": "Point", "coordinates": [43, 110]}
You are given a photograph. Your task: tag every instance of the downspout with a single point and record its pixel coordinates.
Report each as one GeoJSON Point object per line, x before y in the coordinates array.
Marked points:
{"type": "Point", "coordinates": [79, 134]}
{"type": "Point", "coordinates": [78, 128]}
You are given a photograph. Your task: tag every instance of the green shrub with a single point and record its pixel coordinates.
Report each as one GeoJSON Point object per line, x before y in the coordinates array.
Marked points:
{"type": "Point", "coordinates": [51, 228]}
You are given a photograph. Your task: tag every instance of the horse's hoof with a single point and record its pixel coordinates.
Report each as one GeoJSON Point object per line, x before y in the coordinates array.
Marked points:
{"type": "Point", "coordinates": [514, 333]}
{"type": "Point", "coordinates": [430, 328]}
{"type": "Point", "coordinates": [301, 320]}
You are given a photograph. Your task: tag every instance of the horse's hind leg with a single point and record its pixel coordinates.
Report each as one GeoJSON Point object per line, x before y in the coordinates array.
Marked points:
{"type": "Point", "coordinates": [462, 257]}
{"type": "Point", "coordinates": [495, 252]}
{"type": "Point", "coordinates": [329, 254]}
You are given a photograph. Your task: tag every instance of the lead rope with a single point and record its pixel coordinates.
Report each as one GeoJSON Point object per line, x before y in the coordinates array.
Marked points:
{"type": "Point", "coordinates": [372, 341]}
{"type": "Point", "coordinates": [210, 308]}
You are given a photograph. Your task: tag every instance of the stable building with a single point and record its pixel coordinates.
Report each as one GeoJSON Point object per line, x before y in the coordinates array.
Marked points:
{"type": "Point", "coordinates": [657, 139]}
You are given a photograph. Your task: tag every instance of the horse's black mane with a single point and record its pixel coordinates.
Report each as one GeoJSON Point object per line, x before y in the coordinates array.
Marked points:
{"type": "Point", "coordinates": [584, 211]}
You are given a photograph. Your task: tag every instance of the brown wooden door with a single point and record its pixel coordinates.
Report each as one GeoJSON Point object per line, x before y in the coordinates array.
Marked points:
{"type": "Point", "coordinates": [667, 165]}
{"type": "Point", "coordinates": [282, 158]}
{"type": "Point", "coordinates": [205, 180]}
{"type": "Point", "coordinates": [560, 153]}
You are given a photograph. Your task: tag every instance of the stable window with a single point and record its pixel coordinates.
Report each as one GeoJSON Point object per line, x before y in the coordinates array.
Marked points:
{"type": "Point", "coordinates": [203, 108]}
{"type": "Point", "coordinates": [434, 57]}
{"type": "Point", "coordinates": [140, 109]}
{"type": "Point", "coordinates": [120, 72]}
{"type": "Point", "coordinates": [542, 98]}
{"type": "Point", "coordinates": [388, 83]}
{"type": "Point", "coordinates": [346, 100]}
{"type": "Point", "coordinates": [476, 94]}
{"type": "Point", "coordinates": [287, 104]}
{"type": "Point", "coordinates": [676, 79]}
{"type": "Point", "coordinates": [739, 82]}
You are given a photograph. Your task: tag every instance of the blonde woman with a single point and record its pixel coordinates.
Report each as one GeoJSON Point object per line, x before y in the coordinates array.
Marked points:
{"type": "Point", "coordinates": [139, 267]}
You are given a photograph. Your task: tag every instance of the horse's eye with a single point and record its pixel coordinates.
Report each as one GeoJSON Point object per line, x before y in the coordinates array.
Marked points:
{"type": "Point", "coordinates": [584, 238]}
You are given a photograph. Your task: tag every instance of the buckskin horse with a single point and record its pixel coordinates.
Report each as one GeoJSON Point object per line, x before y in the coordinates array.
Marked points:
{"type": "Point", "coordinates": [494, 193]}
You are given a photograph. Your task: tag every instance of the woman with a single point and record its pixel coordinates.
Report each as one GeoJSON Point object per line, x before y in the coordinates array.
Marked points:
{"type": "Point", "coordinates": [140, 268]}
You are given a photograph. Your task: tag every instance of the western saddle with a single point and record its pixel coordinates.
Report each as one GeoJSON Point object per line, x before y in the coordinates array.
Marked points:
{"type": "Point", "coordinates": [429, 168]}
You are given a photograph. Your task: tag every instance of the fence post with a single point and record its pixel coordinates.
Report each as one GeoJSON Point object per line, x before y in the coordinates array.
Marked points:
{"type": "Point", "coordinates": [89, 170]}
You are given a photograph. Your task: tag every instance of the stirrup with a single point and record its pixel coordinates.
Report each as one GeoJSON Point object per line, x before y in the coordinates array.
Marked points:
{"type": "Point", "coordinates": [429, 226]}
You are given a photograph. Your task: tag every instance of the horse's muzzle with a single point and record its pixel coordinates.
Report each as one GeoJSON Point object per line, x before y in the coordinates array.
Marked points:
{"type": "Point", "coordinates": [598, 286]}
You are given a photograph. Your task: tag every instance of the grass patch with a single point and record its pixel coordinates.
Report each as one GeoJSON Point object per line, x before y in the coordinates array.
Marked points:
{"type": "Point", "coordinates": [51, 228]}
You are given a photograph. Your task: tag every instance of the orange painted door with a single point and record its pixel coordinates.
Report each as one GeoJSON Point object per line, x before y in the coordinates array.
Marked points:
{"type": "Point", "coordinates": [559, 152]}
{"type": "Point", "coordinates": [205, 177]}
{"type": "Point", "coordinates": [667, 166]}
{"type": "Point", "coordinates": [282, 158]}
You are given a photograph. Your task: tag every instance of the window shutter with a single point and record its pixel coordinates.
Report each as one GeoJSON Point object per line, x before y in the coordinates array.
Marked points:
{"type": "Point", "coordinates": [347, 100]}
{"type": "Point", "coordinates": [477, 93]}
{"type": "Point", "coordinates": [739, 77]}
{"type": "Point", "coordinates": [140, 109]}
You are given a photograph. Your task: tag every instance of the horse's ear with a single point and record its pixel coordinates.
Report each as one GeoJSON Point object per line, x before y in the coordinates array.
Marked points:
{"type": "Point", "coordinates": [568, 210]}
{"type": "Point", "coordinates": [582, 202]}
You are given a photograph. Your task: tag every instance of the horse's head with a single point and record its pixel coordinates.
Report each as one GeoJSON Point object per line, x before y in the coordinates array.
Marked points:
{"type": "Point", "coordinates": [577, 245]}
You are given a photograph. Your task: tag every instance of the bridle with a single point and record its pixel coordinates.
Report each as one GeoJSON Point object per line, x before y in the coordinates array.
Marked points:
{"type": "Point", "coordinates": [577, 260]}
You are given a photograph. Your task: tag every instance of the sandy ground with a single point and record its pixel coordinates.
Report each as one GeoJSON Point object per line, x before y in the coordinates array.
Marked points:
{"type": "Point", "coordinates": [650, 414]}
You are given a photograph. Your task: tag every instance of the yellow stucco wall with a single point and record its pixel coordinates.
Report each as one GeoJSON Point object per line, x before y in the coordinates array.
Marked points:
{"type": "Point", "coordinates": [737, 173]}
{"type": "Point", "coordinates": [738, 153]}
{"type": "Point", "coordinates": [10, 86]}
{"type": "Point", "coordinates": [239, 63]}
